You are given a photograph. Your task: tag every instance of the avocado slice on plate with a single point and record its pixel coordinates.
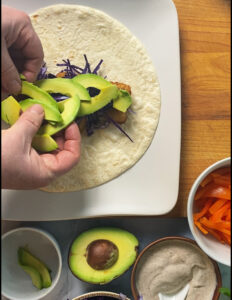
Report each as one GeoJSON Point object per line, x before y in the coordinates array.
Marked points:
{"type": "Point", "coordinates": [34, 274]}
{"type": "Point", "coordinates": [100, 255]}
{"type": "Point", "coordinates": [26, 258]}
{"type": "Point", "coordinates": [35, 92]}
{"type": "Point", "coordinates": [123, 102]}
{"type": "Point", "coordinates": [10, 110]}
{"type": "Point", "coordinates": [70, 106]}
{"type": "Point", "coordinates": [50, 113]}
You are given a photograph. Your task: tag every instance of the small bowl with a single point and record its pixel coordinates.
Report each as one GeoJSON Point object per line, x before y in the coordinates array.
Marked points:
{"type": "Point", "coordinates": [172, 238]}
{"type": "Point", "coordinates": [16, 284]}
{"type": "Point", "coordinates": [101, 293]}
{"type": "Point", "coordinates": [211, 246]}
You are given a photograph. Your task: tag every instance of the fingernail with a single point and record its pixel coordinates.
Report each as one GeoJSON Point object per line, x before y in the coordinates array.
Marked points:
{"type": "Point", "coordinates": [14, 87]}
{"type": "Point", "coordinates": [38, 109]}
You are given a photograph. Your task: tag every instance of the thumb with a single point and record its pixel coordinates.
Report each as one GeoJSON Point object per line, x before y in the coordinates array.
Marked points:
{"type": "Point", "coordinates": [10, 76]}
{"type": "Point", "coordinates": [29, 123]}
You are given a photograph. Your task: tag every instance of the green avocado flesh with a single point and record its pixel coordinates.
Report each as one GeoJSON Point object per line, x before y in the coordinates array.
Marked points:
{"type": "Point", "coordinates": [64, 86]}
{"type": "Point", "coordinates": [44, 143]}
{"type": "Point", "coordinates": [35, 276]}
{"type": "Point", "coordinates": [10, 110]}
{"type": "Point", "coordinates": [91, 80]}
{"type": "Point", "coordinates": [50, 114]}
{"type": "Point", "coordinates": [125, 242]}
{"type": "Point", "coordinates": [35, 92]}
{"type": "Point", "coordinates": [70, 106]}
{"type": "Point", "coordinates": [123, 102]}
{"type": "Point", "coordinates": [27, 259]}
{"type": "Point", "coordinates": [106, 95]}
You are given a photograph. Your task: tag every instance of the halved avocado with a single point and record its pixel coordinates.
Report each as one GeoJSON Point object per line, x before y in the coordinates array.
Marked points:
{"type": "Point", "coordinates": [70, 106]}
{"type": "Point", "coordinates": [34, 274]}
{"type": "Point", "coordinates": [26, 258]}
{"type": "Point", "coordinates": [35, 92]}
{"type": "Point", "coordinates": [106, 95]}
{"type": "Point", "coordinates": [100, 255]}
{"type": "Point", "coordinates": [123, 102]}
{"type": "Point", "coordinates": [50, 114]}
{"type": "Point", "coordinates": [10, 110]}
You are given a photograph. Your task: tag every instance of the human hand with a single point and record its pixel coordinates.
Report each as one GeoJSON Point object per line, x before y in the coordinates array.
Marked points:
{"type": "Point", "coordinates": [22, 166]}
{"type": "Point", "coordinates": [22, 51]}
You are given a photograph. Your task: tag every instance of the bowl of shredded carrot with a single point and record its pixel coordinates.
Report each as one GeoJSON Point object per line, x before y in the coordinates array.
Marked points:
{"type": "Point", "coordinates": [209, 211]}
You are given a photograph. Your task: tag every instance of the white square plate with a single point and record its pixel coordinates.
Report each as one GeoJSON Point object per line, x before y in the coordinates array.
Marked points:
{"type": "Point", "coordinates": [151, 186]}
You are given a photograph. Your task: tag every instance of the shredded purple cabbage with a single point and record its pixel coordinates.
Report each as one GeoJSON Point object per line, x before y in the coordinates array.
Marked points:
{"type": "Point", "coordinates": [97, 120]}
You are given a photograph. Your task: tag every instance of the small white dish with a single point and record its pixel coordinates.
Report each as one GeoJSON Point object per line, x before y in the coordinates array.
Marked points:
{"type": "Point", "coordinates": [101, 294]}
{"type": "Point", "coordinates": [16, 284]}
{"type": "Point", "coordinates": [212, 247]}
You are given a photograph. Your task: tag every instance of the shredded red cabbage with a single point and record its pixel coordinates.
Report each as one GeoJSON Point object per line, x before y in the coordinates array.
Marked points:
{"type": "Point", "coordinates": [97, 120]}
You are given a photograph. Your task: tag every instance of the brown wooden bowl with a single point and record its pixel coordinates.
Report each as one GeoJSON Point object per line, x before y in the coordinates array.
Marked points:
{"type": "Point", "coordinates": [100, 293]}
{"type": "Point", "coordinates": [217, 271]}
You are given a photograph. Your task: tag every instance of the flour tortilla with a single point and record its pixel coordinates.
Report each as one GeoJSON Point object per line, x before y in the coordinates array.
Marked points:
{"type": "Point", "coordinates": [70, 31]}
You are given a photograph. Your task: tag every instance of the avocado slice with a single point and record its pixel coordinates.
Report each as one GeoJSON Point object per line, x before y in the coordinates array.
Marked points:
{"type": "Point", "coordinates": [70, 106]}
{"type": "Point", "coordinates": [50, 113]}
{"type": "Point", "coordinates": [26, 258]}
{"type": "Point", "coordinates": [34, 274]}
{"type": "Point", "coordinates": [44, 143]}
{"type": "Point", "coordinates": [10, 110]}
{"type": "Point", "coordinates": [35, 92]}
{"type": "Point", "coordinates": [102, 254]}
{"type": "Point", "coordinates": [91, 80]}
{"type": "Point", "coordinates": [123, 102]}
{"type": "Point", "coordinates": [64, 86]}
{"type": "Point", "coordinates": [106, 95]}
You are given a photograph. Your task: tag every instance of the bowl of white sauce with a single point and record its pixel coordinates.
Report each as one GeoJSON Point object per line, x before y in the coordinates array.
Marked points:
{"type": "Point", "coordinates": [167, 265]}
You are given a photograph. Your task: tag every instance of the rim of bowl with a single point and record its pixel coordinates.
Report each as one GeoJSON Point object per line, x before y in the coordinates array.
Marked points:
{"type": "Point", "coordinates": [99, 293]}
{"type": "Point", "coordinates": [185, 239]}
{"type": "Point", "coordinates": [55, 244]}
{"type": "Point", "coordinates": [217, 165]}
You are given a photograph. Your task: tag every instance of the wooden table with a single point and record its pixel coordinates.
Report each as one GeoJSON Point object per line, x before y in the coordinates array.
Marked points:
{"type": "Point", "coordinates": [205, 66]}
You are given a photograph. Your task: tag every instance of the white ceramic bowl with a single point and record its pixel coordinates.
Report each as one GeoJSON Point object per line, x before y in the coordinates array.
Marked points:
{"type": "Point", "coordinates": [16, 284]}
{"type": "Point", "coordinates": [212, 247]}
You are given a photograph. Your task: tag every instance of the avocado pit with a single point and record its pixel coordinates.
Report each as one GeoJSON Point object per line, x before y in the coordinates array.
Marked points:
{"type": "Point", "coordinates": [101, 254]}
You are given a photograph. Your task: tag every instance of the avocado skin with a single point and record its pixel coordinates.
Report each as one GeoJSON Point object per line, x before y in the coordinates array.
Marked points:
{"type": "Point", "coordinates": [26, 258]}
{"type": "Point", "coordinates": [126, 243]}
{"type": "Point", "coordinates": [35, 92]}
{"type": "Point", "coordinates": [34, 274]}
{"type": "Point", "coordinates": [50, 114]}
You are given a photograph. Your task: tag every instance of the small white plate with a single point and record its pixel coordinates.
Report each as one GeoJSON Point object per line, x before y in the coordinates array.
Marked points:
{"type": "Point", "coordinates": [151, 186]}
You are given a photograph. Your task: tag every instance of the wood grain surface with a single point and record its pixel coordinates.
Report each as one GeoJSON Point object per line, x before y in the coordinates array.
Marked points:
{"type": "Point", "coordinates": [205, 67]}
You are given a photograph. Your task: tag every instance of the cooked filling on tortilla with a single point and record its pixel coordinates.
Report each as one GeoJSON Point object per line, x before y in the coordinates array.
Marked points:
{"type": "Point", "coordinates": [103, 117]}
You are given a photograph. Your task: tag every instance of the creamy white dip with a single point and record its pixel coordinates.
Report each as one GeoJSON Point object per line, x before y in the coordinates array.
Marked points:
{"type": "Point", "coordinates": [168, 266]}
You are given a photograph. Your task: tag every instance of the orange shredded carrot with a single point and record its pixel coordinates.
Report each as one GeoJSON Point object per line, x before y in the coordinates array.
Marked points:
{"type": "Point", "coordinates": [213, 204]}
{"type": "Point", "coordinates": [204, 210]}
